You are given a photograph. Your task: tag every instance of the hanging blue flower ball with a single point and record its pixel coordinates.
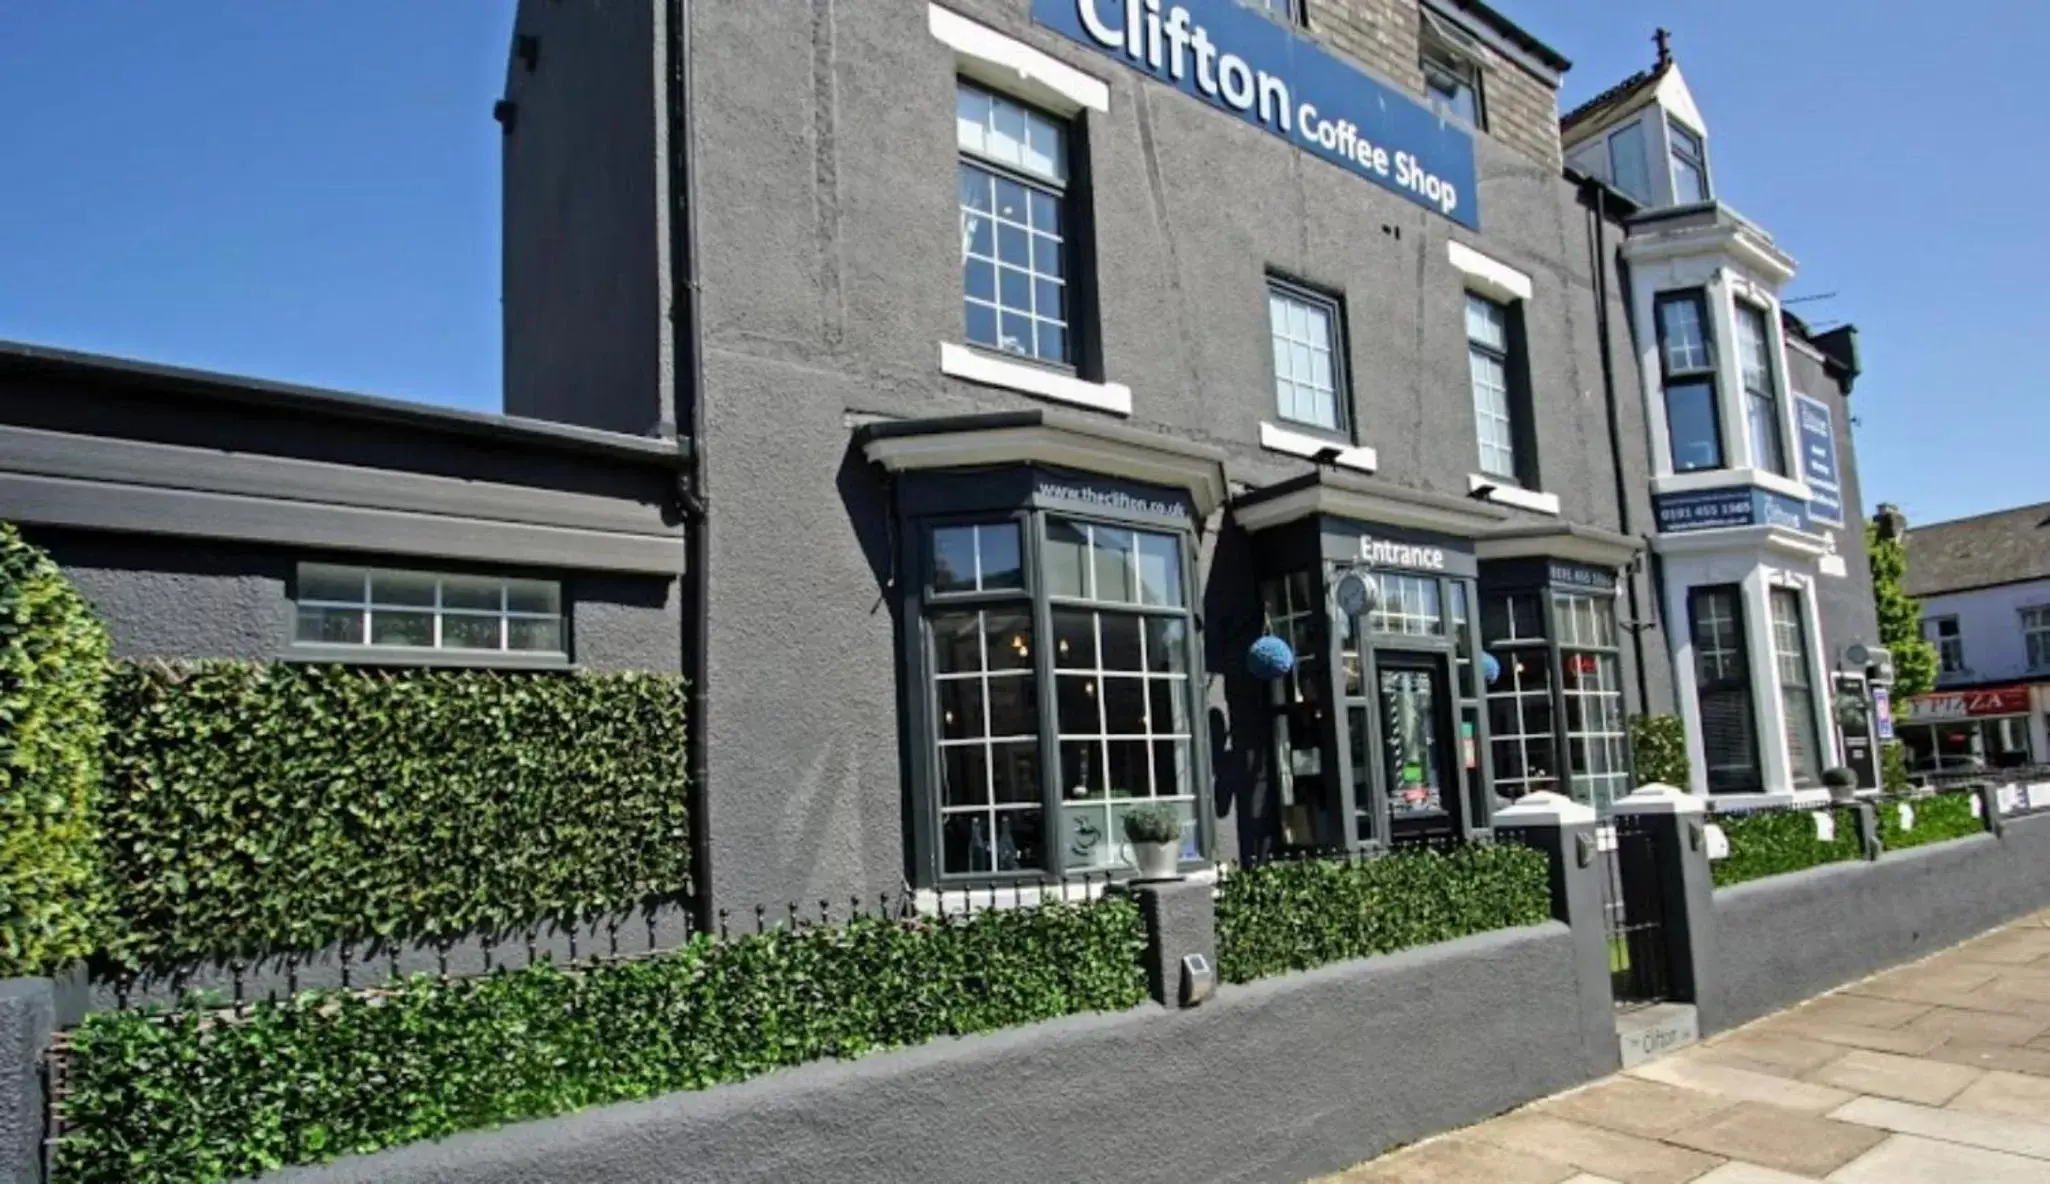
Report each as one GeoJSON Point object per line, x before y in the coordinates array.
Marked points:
{"type": "Point", "coordinates": [1491, 668]}
{"type": "Point", "coordinates": [1270, 658]}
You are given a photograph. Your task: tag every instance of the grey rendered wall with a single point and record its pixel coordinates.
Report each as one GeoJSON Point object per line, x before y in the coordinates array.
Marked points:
{"type": "Point", "coordinates": [1848, 613]}
{"type": "Point", "coordinates": [586, 201]}
{"type": "Point", "coordinates": [1783, 939]}
{"type": "Point", "coordinates": [28, 1017]}
{"type": "Point", "coordinates": [191, 599]}
{"type": "Point", "coordinates": [1277, 1081]}
{"type": "Point", "coordinates": [830, 275]}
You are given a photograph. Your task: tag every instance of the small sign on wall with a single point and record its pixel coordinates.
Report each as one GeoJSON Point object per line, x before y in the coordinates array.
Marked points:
{"type": "Point", "coordinates": [1907, 816]}
{"type": "Point", "coordinates": [1718, 843]}
{"type": "Point", "coordinates": [1825, 826]}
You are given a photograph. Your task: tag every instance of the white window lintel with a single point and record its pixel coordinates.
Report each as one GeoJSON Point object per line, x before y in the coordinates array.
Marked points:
{"type": "Point", "coordinates": [1009, 63]}
{"type": "Point", "coordinates": [958, 361]}
{"type": "Point", "coordinates": [1488, 276]}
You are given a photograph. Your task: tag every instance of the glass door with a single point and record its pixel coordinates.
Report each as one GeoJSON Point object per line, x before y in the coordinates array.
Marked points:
{"type": "Point", "coordinates": [1417, 770]}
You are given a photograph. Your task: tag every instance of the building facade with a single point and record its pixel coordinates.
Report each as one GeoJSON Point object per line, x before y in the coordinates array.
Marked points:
{"type": "Point", "coordinates": [1984, 584]}
{"type": "Point", "coordinates": [1009, 413]}
{"type": "Point", "coordinates": [1756, 526]}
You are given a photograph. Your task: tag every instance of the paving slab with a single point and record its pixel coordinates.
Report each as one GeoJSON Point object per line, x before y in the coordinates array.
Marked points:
{"type": "Point", "coordinates": [1910, 1079]}
{"type": "Point", "coordinates": [1743, 1085]}
{"type": "Point", "coordinates": [2017, 1095]}
{"type": "Point", "coordinates": [2033, 1061]}
{"type": "Point", "coordinates": [2017, 947]}
{"type": "Point", "coordinates": [1735, 1172]}
{"type": "Point", "coordinates": [1769, 1052]}
{"type": "Point", "coordinates": [1864, 1011]}
{"type": "Point", "coordinates": [2015, 1136]}
{"type": "Point", "coordinates": [1907, 1042]}
{"type": "Point", "coordinates": [1457, 1159]}
{"type": "Point", "coordinates": [1906, 1159]}
{"type": "Point", "coordinates": [1624, 1158]}
{"type": "Point", "coordinates": [1785, 1140]}
{"type": "Point", "coordinates": [1645, 1108]}
{"type": "Point", "coordinates": [1979, 1027]}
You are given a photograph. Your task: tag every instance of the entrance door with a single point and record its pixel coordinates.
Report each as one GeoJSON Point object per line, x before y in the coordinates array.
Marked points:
{"type": "Point", "coordinates": [1418, 772]}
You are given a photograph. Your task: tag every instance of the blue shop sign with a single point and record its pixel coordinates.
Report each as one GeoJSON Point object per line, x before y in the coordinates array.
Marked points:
{"type": "Point", "coordinates": [1711, 509]}
{"type": "Point", "coordinates": [1227, 55]}
{"type": "Point", "coordinates": [1818, 460]}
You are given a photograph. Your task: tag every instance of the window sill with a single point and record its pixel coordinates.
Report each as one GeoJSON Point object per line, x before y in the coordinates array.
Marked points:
{"type": "Point", "coordinates": [1729, 479]}
{"type": "Point", "coordinates": [932, 902]}
{"type": "Point", "coordinates": [959, 361]}
{"type": "Point", "coordinates": [1279, 439]}
{"type": "Point", "coordinates": [385, 655]}
{"type": "Point", "coordinates": [1503, 493]}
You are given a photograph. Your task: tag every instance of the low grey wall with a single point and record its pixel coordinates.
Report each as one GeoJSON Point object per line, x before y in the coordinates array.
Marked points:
{"type": "Point", "coordinates": [1785, 938]}
{"type": "Point", "coordinates": [1278, 1081]}
{"type": "Point", "coordinates": [27, 1017]}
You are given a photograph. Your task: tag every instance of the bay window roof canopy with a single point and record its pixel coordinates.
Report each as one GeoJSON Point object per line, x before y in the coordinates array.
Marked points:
{"type": "Point", "coordinates": [1044, 435]}
{"type": "Point", "coordinates": [1366, 499]}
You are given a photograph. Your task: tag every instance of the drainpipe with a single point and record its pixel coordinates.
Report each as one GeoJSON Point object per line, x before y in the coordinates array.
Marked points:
{"type": "Point", "coordinates": [687, 334]}
{"type": "Point", "coordinates": [1598, 239]}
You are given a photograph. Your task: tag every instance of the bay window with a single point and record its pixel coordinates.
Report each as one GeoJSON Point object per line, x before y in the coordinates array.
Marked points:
{"type": "Point", "coordinates": [1761, 389]}
{"type": "Point", "coordinates": [1059, 652]}
{"type": "Point", "coordinates": [1797, 686]}
{"type": "Point", "coordinates": [1555, 708]}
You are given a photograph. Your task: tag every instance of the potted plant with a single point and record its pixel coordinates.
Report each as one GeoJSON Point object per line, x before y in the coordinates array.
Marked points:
{"type": "Point", "coordinates": [1155, 833]}
{"type": "Point", "coordinates": [1841, 782]}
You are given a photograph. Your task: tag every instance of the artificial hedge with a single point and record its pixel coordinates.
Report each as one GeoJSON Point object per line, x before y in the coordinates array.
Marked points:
{"type": "Point", "coordinates": [1775, 842]}
{"type": "Point", "coordinates": [200, 1096]}
{"type": "Point", "coordinates": [1658, 748]}
{"type": "Point", "coordinates": [1295, 914]}
{"type": "Point", "coordinates": [1938, 818]}
{"type": "Point", "coordinates": [53, 660]}
{"type": "Point", "coordinates": [252, 809]}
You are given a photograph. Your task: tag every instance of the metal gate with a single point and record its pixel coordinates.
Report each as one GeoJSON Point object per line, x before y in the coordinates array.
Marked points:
{"type": "Point", "coordinates": [1634, 914]}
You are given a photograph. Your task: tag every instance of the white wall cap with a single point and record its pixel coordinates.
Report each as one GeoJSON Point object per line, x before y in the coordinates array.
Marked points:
{"type": "Point", "coordinates": [1659, 799]}
{"type": "Point", "coordinates": [1543, 808]}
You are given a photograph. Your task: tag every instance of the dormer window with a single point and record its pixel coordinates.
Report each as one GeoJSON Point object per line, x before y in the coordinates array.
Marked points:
{"type": "Point", "coordinates": [1628, 165]}
{"type": "Point", "coordinates": [1690, 164]}
{"type": "Point", "coordinates": [1451, 58]}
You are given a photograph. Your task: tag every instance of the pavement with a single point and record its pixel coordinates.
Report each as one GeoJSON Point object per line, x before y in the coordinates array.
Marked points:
{"type": "Point", "coordinates": [1935, 1071]}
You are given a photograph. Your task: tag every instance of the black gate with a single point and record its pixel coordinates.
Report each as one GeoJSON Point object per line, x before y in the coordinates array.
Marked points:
{"type": "Point", "coordinates": [1634, 914]}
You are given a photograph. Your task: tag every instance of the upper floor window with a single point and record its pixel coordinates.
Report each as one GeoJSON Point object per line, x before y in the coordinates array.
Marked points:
{"type": "Point", "coordinates": [1042, 741]}
{"type": "Point", "coordinates": [1797, 685]}
{"type": "Point", "coordinates": [364, 606]}
{"type": "Point", "coordinates": [1288, 12]}
{"type": "Point", "coordinates": [1690, 164]}
{"type": "Point", "coordinates": [1451, 59]}
{"type": "Point", "coordinates": [1629, 165]}
{"type": "Point", "coordinates": [1309, 372]}
{"type": "Point", "coordinates": [1949, 641]}
{"type": "Point", "coordinates": [1014, 225]}
{"type": "Point", "coordinates": [1722, 687]}
{"type": "Point", "coordinates": [1761, 389]}
{"type": "Point", "coordinates": [1687, 360]}
{"type": "Point", "coordinates": [1488, 359]}
{"type": "Point", "coordinates": [2036, 636]}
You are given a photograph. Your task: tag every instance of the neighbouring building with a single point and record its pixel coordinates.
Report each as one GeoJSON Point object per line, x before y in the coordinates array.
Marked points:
{"type": "Point", "coordinates": [1756, 527]}
{"type": "Point", "coordinates": [1984, 584]}
{"type": "Point", "coordinates": [1010, 412]}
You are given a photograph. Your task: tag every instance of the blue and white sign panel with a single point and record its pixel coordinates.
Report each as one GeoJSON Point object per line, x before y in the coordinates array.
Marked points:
{"type": "Point", "coordinates": [1712, 509]}
{"type": "Point", "coordinates": [1240, 62]}
{"type": "Point", "coordinates": [1818, 460]}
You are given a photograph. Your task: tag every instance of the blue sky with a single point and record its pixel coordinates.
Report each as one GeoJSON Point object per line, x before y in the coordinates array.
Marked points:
{"type": "Point", "coordinates": [309, 191]}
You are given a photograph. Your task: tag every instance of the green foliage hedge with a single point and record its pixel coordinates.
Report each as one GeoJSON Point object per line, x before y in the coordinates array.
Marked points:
{"type": "Point", "coordinates": [1658, 747]}
{"type": "Point", "coordinates": [1938, 819]}
{"type": "Point", "coordinates": [53, 660]}
{"type": "Point", "coordinates": [1893, 768]}
{"type": "Point", "coordinates": [250, 809]}
{"type": "Point", "coordinates": [1916, 662]}
{"type": "Point", "coordinates": [199, 1097]}
{"type": "Point", "coordinates": [1295, 914]}
{"type": "Point", "coordinates": [1775, 842]}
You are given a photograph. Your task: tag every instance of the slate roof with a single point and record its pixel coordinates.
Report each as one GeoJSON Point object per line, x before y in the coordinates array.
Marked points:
{"type": "Point", "coordinates": [2004, 547]}
{"type": "Point", "coordinates": [1616, 96]}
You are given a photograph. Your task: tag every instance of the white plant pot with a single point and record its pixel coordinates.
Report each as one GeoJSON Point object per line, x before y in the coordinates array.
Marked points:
{"type": "Point", "coordinates": [1157, 861]}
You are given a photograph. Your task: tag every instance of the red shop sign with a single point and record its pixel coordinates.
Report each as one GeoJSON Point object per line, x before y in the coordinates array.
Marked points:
{"type": "Point", "coordinates": [1985, 701]}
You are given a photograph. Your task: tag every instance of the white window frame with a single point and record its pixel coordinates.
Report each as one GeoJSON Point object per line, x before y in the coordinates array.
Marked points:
{"type": "Point", "coordinates": [368, 605]}
{"type": "Point", "coordinates": [1292, 295]}
{"type": "Point", "coordinates": [2035, 620]}
{"type": "Point", "coordinates": [1950, 650]}
{"type": "Point", "coordinates": [1676, 132]}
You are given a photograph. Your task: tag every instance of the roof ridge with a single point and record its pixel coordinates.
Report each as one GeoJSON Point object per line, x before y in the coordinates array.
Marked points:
{"type": "Point", "coordinates": [2024, 508]}
{"type": "Point", "coordinates": [1616, 92]}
